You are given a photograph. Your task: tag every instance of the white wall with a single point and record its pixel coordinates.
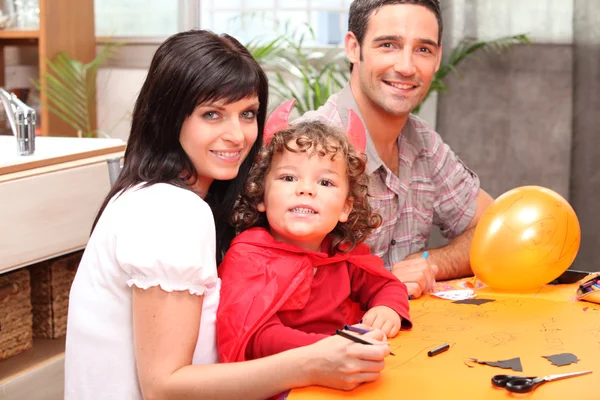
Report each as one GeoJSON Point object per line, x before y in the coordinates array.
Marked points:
{"type": "Point", "coordinates": [545, 21]}
{"type": "Point", "coordinates": [118, 89]}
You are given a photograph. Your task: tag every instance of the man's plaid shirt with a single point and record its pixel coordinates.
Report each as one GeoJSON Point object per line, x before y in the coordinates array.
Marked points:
{"type": "Point", "coordinates": [433, 186]}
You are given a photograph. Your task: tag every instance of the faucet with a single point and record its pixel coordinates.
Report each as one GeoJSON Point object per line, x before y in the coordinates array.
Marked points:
{"type": "Point", "coordinates": [22, 122]}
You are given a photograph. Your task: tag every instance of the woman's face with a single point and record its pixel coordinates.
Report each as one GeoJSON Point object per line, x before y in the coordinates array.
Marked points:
{"type": "Point", "coordinates": [217, 137]}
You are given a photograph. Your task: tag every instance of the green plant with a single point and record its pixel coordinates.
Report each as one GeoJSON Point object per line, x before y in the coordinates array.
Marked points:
{"type": "Point", "coordinates": [297, 71]}
{"type": "Point", "coordinates": [69, 87]}
{"type": "Point", "coordinates": [311, 76]}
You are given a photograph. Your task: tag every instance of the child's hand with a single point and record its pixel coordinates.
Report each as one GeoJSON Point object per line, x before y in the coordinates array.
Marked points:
{"type": "Point", "coordinates": [384, 318]}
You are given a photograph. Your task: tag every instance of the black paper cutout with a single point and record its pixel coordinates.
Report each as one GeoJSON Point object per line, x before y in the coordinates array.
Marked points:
{"type": "Point", "coordinates": [562, 359]}
{"type": "Point", "coordinates": [476, 302]}
{"type": "Point", "coordinates": [513, 363]}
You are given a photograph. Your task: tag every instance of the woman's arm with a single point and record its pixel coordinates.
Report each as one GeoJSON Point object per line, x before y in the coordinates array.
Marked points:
{"type": "Point", "coordinates": [165, 333]}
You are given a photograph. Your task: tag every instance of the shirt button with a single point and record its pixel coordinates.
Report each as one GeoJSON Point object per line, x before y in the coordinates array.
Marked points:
{"type": "Point", "coordinates": [393, 242]}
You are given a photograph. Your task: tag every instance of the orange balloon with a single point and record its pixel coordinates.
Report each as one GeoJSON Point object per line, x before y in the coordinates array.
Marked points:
{"type": "Point", "coordinates": [526, 238]}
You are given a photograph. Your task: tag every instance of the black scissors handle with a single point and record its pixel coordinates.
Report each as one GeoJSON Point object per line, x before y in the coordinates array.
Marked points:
{"type": "Point", "coordinates": [523, 385]}
{"type": "Point", "coordinates": [516, 384]}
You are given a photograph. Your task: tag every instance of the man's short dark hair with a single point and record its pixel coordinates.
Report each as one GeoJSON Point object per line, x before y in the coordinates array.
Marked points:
{"type": "Point", "coordinates": [361, 11]}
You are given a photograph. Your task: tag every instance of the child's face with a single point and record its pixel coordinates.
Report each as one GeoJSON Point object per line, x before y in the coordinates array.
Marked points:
{"type": "Point", "coordinates": [305, 197]}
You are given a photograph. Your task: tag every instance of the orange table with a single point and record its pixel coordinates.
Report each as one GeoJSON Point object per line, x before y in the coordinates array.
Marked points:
{"type": "Point", "coordinates": [527, 325]}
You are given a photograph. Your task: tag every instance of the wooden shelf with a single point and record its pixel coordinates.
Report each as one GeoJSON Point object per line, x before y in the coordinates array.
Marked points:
{"type": "Point", "coordinates": [65, 25]}
{"type": "Point", "coordinates": [44, 351]}
{"type": "Point", "coordinates": [18, 34]}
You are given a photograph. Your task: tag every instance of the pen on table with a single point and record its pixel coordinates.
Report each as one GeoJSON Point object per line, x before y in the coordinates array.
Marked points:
{"type": "Point", "coordinates": [588, 283]}
{"type": "Point", "coordinates": [356, 329]}
{"type": "Point", "coordinates": [355, 339]}
{"type": "Point", "coordinates": [438, 350]}
{"type": "Point", "coordinates": [425, 254]}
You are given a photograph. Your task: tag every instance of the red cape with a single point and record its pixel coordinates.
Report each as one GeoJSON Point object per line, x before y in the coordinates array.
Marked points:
{"type": "Point", "coordinates": [261, 276]}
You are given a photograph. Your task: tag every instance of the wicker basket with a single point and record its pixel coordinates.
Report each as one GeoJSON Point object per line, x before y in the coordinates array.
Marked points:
{"type": "Point", "coordinates": [15, 313]}
{"type": "Point", "coordinates": [50, 285]}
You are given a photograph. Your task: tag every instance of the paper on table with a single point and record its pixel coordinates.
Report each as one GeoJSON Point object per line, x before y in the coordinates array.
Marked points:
{"type": "Point", "coordinates": [562, 359]}
{"type": "Point", "coordinates": [513, 363]}
{"type": "Point", "coordinates": [455, 294]}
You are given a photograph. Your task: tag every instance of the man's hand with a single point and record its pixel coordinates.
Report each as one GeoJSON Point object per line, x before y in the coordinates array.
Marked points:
{"type": "Point", "coordinates": [384, 318]}
{"type": "Point", "coordinates": [417, 274]}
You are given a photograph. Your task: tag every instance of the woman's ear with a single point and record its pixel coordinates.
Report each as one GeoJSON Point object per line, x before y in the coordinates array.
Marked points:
{"type": "Point", "coordinates": [346, 210]}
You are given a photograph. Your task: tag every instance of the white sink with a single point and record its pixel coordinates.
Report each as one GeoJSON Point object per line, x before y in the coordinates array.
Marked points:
{"type": "Point", "coordinates": [49, 148]}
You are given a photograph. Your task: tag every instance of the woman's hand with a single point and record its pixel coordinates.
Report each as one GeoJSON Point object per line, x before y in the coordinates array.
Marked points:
{"type": "Point", "coordinates": [339, 363]}
{"type": "Point", "coordinates": [384, 318]}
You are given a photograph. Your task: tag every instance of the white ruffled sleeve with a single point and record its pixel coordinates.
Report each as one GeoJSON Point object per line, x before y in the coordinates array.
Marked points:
{"type": "Point", "coordinates": [166, 238]}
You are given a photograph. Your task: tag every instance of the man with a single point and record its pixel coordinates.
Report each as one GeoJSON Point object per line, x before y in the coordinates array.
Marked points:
{"type": "Point", "coordinates": [416, 181]}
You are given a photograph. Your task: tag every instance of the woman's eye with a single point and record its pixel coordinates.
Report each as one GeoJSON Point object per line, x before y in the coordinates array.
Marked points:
{"type": "Point", "coordinates": [210, 115]}
{"type": "Point", "coordinates": [249, 114]}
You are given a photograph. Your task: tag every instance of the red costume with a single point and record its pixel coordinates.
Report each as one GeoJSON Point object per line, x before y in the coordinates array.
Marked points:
{"type": "Point", "coordinates": [272, 300]}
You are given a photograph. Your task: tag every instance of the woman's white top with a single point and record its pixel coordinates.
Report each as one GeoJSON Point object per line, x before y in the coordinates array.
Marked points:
{"type": "Point", "coordinates": [160, 235]}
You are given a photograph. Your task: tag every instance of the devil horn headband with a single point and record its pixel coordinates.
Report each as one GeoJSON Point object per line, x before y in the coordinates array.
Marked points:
{"type": "Point", "coordinates": [278, 120]}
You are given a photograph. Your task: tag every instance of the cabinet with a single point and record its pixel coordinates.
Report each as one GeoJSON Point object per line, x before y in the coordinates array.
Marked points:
{"type": "Point", "coordinates": [49, 201]}
{"type": "Point", "coordinates": [65, 25]}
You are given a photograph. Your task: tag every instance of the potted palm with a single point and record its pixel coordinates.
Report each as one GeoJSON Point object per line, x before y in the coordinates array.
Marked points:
{"type": "Point", "coordinates": [70, 89]}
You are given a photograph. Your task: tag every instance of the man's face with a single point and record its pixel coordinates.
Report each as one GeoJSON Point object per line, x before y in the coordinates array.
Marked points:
{"type": "Point", "coordinates": [399, 56]}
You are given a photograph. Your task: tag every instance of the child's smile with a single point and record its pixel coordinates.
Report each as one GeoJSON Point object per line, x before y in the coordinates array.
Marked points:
{"type": "Point", "coordinates": [303, 211]}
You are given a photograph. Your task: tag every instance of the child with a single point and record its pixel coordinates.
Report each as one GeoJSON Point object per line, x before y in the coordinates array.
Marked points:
{"type": "Point", "coordinates": [294, 274]}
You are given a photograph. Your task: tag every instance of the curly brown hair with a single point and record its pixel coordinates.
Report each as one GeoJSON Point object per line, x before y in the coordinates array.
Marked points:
{"type": "Point", "coordinates": [315, 138]}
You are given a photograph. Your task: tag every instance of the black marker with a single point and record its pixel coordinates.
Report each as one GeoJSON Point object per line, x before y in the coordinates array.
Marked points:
{"type": "Point", "coordinates": [438, 350]}
{"type": "Point", "coordinates": [354, 338]}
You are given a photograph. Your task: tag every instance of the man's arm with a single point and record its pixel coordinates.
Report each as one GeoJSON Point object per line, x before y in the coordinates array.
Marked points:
{"type": "Point", "coordinates": [453, 259]}
{"type": "Point", "coordinates": [447, 262]}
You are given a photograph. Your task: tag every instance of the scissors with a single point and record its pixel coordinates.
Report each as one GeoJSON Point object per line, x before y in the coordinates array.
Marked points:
{"type": "Point", "coordinates": [525, 384]}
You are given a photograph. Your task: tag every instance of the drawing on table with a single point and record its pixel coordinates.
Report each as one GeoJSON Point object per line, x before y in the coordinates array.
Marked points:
{"type": "Point", "coordinates": [444, 328]}
{"type": "Point", "coordinates": [512, 302]}
{"type": "Point", "coordinates": [497, 338]}
{"type": "Point", "coordinates": [477, 315]}
{"type": "Point", "coordinates": [411, 348]}
{"type": "Point", "coordinates": [432, 307]}
{"type": "Point", "coordinates": [595, 333]}
{"type": "Point", "coordinates": [554, 342]}
{"type": "Point", "coordinates": [550, 326]}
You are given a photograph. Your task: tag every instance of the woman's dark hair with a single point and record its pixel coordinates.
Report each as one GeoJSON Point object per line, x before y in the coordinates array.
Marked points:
{"type": "Point", "coordinates": [316, 138]}
{"type": "Point", "coordinates": [188, 69]}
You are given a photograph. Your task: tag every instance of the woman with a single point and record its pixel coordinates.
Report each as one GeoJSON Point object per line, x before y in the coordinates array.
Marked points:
{"type": "Point", "coordinates": [144, 300]}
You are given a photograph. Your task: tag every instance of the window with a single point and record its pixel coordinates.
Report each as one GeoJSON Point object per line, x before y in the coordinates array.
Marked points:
{"type": "Point", "coordinates": [136, 18]}
{"type": "Point", "coordinates": [244, 19]}
{"type": "Point", "coordinates": [249, 19]}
